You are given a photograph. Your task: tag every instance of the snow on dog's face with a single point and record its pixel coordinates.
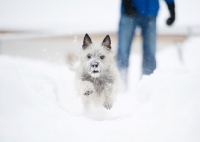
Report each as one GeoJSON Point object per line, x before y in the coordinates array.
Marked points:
{"type": "Point", "coordinates": [96, 60]}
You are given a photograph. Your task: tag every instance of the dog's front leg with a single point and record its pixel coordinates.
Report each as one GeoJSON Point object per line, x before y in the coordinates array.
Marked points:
{"type": "Point", "coordinates": [108, 95]}
{"type": "Point", "coordinates": [108, 103]}
{"type": "Point", "coordinates": [86, 88]}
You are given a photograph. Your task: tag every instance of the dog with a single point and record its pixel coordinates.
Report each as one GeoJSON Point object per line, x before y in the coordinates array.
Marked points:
{"type": "Point", "coordinates": [97, 77]}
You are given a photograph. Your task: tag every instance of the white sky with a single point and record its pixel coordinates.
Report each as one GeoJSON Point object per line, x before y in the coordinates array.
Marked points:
{"type": "Point", "coordinates": [80, 16]}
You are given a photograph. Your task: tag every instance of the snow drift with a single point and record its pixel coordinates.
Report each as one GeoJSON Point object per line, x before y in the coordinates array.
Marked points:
{"type": "Point", "coordinates": [39, 103]}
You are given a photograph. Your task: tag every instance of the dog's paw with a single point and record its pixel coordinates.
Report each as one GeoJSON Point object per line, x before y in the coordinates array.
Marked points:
{"type": "Point", "coordinates": [87, 93]}
{"type": "Point", "coordinates": [88, 88]}
{"type": "Point", "coordinates": [108, 105]}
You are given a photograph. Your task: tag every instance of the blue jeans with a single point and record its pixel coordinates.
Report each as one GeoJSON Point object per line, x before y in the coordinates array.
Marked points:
{"type": "Point", "coordinates": [126, 31]}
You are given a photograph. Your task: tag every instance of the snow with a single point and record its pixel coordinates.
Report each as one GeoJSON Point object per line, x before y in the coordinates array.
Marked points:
{"type": "Point", "coordinates": [38, 102]}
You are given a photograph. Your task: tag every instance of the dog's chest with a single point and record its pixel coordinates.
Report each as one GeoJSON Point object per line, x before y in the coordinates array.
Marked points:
{"type": "Point", "coordinates": [100, 84]}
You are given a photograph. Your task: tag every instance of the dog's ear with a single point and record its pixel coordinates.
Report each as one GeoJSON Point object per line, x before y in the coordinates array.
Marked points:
{"type": "Point", "coordinates": [107, 42]}
{"type": "Point", "coordinates": [86, 41]}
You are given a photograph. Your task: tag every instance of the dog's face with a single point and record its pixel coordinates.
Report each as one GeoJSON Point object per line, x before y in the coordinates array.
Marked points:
{"type": "Point", "coordinates": [96, 61]}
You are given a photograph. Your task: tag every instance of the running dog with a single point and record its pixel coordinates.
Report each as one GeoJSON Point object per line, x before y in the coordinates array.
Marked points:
{"type": "Point", "coordinates": [97, 78]}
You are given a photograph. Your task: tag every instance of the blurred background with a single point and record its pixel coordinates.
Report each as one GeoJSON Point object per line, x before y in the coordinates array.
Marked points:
{"type": "Point", "coordinates": [53, 30]}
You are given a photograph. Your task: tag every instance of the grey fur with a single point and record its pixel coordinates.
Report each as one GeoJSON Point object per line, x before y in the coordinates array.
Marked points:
{"type": "Point", "coordinates": [99, 83]}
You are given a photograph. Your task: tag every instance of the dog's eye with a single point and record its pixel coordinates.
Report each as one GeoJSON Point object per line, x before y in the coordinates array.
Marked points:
{"type": "Point", "coordinates": [89, 56]}
{"type": "Point", "coordinates": [102, 57]}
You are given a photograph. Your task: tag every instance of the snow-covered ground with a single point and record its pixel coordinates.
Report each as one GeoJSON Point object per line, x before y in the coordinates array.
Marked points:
{"type": "Point", "coordinates": [38, 102]}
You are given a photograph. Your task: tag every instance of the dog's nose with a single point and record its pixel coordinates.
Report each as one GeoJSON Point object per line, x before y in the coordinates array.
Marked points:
{"type": "Point", "coordinates": [94, 64]}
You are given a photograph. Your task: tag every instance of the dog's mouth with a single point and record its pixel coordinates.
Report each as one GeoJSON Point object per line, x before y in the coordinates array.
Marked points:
{"type": "Point", "coordinates": [95, 71]}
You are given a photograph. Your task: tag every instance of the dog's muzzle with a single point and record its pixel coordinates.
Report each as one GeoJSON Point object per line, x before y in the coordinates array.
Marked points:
{"type": "Point", "coordinates": [95, 69]}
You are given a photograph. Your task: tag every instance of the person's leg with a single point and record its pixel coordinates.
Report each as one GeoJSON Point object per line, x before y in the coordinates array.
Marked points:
{"type": "Point", "coordinates": [127, 27]}
{"type": "Point", "coordinates": [148, 27]}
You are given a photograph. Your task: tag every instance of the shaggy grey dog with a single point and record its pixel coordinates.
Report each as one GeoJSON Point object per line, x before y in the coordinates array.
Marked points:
{"type": "Point", "coordinates": [97, 78]}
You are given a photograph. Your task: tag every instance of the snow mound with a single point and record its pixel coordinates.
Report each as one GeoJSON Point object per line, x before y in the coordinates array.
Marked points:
{"type": "Point", "coordinates": [38, 102]}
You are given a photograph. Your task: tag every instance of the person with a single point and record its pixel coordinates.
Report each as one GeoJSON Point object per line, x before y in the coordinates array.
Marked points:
{"type": "Point", "coordinates": [140, 13]}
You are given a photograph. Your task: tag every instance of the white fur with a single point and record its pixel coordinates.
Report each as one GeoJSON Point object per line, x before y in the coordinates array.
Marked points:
{"type": "Point", "coordinates": [99, 89]}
